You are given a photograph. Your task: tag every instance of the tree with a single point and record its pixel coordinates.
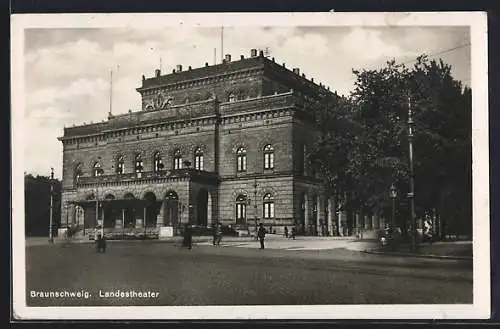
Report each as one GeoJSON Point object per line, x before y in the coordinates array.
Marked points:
{"type": "Point", "coordinates": [364, 142]}
{"type": "Point", "coordinates": [37, 205]}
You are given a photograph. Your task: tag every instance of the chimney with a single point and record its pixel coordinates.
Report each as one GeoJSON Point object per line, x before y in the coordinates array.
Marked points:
{"type": "Point", "coordinates": [272, 59]}
{"type": "Point", "coordinates": [227, 58]}
{"type": "Point", "coordinates": [312, 79]}
{"type": "Point", "coordinates": [284, 65]}
{"type": "Point", "coordinates": [253, 52]}
{"type": "Point", "coordinates": [296, 70]}
{"type": "Point", "coordinates": [261, 53]}
{"type": "Point", "coordinates": [157, 73]}
{"type": "Point", "coordinates": [189, 68]}
{"type": "Point", "coordinates": [303, 75]}
{"type": "Point", "coordinates": [173, 71]}
{"type": "Point", "coordinates": [242, 57]}
{"type": "Point", "coordinates": [179, 68]}
{"type": "Point", "coordinates": [206, 64]}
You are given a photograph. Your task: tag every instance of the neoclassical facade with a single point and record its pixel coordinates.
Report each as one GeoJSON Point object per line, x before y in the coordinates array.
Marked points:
{"type": "Point", "coordinates": [222, 143]}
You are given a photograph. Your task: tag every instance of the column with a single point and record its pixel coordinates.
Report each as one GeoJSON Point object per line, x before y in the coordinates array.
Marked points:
{"type": "Point", "coordinates": [329, 222]}
{"type": "Point", "coordinates": [160, 216]}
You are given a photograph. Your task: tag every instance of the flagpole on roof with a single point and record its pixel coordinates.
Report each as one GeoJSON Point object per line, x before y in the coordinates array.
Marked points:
{"type": "Point", "coordinates": [110, 92]}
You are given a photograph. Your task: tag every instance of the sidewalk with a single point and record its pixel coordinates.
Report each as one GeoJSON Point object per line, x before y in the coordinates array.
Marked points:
{"type": "Point", "coordinates": [273, 241]}
{"type": "Point", "coordinates": [458, 250]}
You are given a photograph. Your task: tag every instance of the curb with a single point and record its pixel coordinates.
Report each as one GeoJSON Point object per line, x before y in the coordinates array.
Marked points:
{"type": "Point", "coordinates": [405, 254]}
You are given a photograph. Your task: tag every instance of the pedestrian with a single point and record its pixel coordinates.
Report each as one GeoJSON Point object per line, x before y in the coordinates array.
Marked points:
{"type": "Point", "coordinates": [188, 236]}
{"type": "Point", "coordinates": [293, 232]}
{"type": "Point", "coordinates": [217, 234]}
{"type": "Point", "coordinates": [286, 232]}
{"type": "Point", "coordinates": [261, 234]}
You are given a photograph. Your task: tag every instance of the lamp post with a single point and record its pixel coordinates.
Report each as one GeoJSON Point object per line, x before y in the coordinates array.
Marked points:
{"type": "Point", "coordinates": [255, 185]}
{"type": "Point", "coordinates": [393, 194]}
{"type": "Point", "coordinates": [66, 207]}
{"type": "Point", "coordinates": [411, 193]}
{"type": "Point", "coordinates": [51, 219]}
{"type": "Point", "coordinates": [98, 173]}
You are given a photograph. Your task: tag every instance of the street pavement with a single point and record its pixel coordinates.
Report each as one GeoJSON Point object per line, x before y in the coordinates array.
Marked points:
{"type": "Point", "coordinates": [287, 272]}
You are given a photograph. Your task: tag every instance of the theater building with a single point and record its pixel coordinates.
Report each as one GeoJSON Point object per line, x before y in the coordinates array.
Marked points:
{"type": "Point", "coordinates": [223, 143]}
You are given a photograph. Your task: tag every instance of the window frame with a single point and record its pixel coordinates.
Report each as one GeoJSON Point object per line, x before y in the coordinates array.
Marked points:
{"type": "Point", "coordinates": [157, 160]}
{"type": "Point", "coordinates": [120, 165]}
{"type": "Point", "coordinates": [268, 209]}
{"type": "Point", "coordinates": [241, 159]}
{"type": "Point", "coordinates": [198, 159]}
{"type": "Point", "coordinates": [177, 159]}
{"type": "Point", "coordinates": [97, 170]}
{"type": "Point", "coordinates": [138, 163]}
{"type": "Point", "coordinates": [268, 157]}
{"type": "Point", "coordinates": [241, 209]}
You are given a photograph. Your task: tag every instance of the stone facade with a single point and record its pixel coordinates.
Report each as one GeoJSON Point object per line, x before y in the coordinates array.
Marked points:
{"type": "Point", "coordinates": [207, 115]}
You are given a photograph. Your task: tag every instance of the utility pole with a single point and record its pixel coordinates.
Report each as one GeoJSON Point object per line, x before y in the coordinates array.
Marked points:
{"type": "Point", "coordinates": [255, 185]}
{"type": "Point", "coordinates": [51, 221]}
{"type": "Point", "coordinates": [411, 194]}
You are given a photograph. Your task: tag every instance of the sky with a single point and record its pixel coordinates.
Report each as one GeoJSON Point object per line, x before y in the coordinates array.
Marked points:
{"type": "Point", "coordinates": [67, 71]}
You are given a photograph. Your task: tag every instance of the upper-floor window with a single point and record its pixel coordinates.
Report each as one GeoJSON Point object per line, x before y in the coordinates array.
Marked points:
{"type": "Point", "coordinates": [231, 97]}
{"type": "Point", "coordinates": [120, 165]}
{"type": "Point", "coordinates": [268, 157]}
{"type": "Point", "coordinates": [268, 206]}
{"type": "Point", "coordinates": [198, 159]}
{"type": "Point", "coordinates": [96, 169]}
{"type": "Point", "coordinates": [241, 209]}
{"type": "Point", "coordinates": [177, 159]}
{"type": "Point", "coordinates": [157, 162]}
{"type": "Point", "coordinates": [77, 173]}
{"type": "Point", "coordinates": [241, 159]}
{"type": "Point", "coordinates": [138, 163]}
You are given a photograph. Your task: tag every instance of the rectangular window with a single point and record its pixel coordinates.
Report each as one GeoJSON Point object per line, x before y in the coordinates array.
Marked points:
{"type": "Point", "coordinates": [242, 163]}
{"type": "Point", "coordinates": [269, 161]}
{"type": "Point", "coordinates": [198, 162]}
{"type": "Point", "coordinates": [269, 210]}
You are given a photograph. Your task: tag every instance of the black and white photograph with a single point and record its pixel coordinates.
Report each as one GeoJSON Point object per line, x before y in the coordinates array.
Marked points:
{"type": "Point", "coordinates": [250, 166]}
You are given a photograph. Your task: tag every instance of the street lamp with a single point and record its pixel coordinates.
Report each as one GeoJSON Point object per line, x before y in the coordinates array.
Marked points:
{"type": "Point", "coordinates": [411, 193]}
{"type": "Point", "coordinates": [66, 206]}
{"type": "Point", "coordinates": [98, 173]}
{"type": "Point", "coordinates": [393, 194]}
{"type": "Point", "coordinates": [51, 220]}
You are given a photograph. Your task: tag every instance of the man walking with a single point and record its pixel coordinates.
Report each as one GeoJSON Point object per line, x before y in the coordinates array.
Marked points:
{"type": "Point", "coordinates": [261, 234]}
{"type": "Point", "coordinates": [188, 236]}
{"type": "Point", "coordinates": [217, 235]}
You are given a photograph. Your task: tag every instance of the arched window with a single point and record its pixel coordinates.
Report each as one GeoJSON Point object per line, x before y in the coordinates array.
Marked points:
{"type": "Point", "coordinates": [77, 173]}
{"type": "Point", "coordinates": [198, 159]}
{"type": "Point", "coordinates": [157, 162]}
{"type": "Point", "coordinates": [177, 159]}
{"type": "Point", "coordinates": [268, 157]}
{"type": "Point", "coordinates": [241, 159]}
{"type": "Point", "coordinates": [138, 163]}
{"type": "Point", "coordinates": [241, 209]}
{"type": "Point", "coordinates": [96, 169]}
{"type": "Point", "coordinates": [120, 165]}
{"type": "Point", "coordinates": [231, 97]}
{"type": "Point", "coordinates": [268, 206]}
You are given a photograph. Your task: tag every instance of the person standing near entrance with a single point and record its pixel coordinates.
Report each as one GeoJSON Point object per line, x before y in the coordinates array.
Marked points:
{"type": "Point", "coordinates": [261, 233]}
{"type": "Point", "coordinates": [286, 232]}
{"type": "Point", "coordinates": [188, 237]}
{"type": "Point", "coordinates": [217, 234]}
